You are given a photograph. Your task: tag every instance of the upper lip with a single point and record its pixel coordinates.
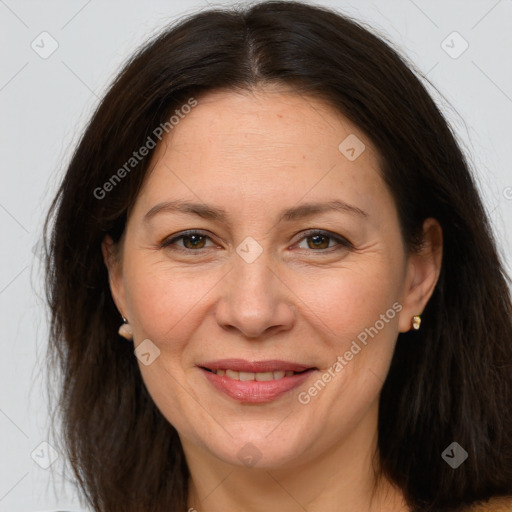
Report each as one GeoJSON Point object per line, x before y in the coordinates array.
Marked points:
{"type": "Point", "coordinates": [242, 365]}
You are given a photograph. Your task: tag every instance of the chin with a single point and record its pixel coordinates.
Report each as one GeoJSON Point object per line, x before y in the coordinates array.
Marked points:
{"type": "Point", "coordinates": [253, 448]}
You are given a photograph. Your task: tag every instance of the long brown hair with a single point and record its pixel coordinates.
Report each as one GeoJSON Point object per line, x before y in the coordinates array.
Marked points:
{"type": "Point", "coordinates": [450, 381]}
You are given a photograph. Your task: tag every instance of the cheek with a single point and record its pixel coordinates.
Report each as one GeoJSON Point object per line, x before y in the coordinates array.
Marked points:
{"type": "Point", "coordinates": [356, 318]}
{"type": "Point", "coordinates": [166, 302]}
{"type": "Point", "coordinates": [357, 314]}
{"type": "Point", "coordinates": [348, 301]}
{"type": "Point", "coordinates": [166, 305]}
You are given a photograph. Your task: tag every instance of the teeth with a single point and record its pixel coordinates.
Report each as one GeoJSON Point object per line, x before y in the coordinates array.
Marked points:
{"type": "Point", "coordinates": [262, 376]}
{"type": "Point", "coordinates": [259, 376]}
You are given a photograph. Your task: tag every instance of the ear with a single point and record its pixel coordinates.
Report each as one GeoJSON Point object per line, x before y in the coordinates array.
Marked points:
{"type": "Point", "coordinates": [423, 269]}
{"type": "Point", "coordinates": [113, 263]}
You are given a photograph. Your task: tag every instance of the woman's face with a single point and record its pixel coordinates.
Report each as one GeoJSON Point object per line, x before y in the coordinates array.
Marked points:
{"type": "Point", "coordinates": [265, 242]}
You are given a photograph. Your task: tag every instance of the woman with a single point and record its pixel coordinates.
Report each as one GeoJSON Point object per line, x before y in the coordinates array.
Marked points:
{"type": "Point", "coordinates": [313, 313]}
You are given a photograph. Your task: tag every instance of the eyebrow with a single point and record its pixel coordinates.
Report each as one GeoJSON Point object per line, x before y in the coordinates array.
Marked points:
{"type": "Point", "coordinates": [219, 214]}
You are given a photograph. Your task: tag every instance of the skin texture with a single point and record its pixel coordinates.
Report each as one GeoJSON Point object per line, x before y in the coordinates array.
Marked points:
{"type": "Point", "coordinates": [255, 154]}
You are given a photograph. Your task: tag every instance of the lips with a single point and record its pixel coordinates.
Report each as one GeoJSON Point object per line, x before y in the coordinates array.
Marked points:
{"type": "Point", "coordinates": [256, 381]}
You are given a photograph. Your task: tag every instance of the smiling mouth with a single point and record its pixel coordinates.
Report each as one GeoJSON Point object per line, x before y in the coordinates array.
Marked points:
{"type": "Point", "coordinates": [255, 382]}
{"type": "Point", "coordinates": [255, 376]}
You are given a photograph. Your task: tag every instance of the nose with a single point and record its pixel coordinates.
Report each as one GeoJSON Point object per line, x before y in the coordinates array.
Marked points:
{"type": "Point", "coordinates": [254, 300]}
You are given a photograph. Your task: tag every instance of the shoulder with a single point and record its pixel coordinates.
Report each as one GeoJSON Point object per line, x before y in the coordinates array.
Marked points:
{"type": "Point", "coordinates": [497, 504]}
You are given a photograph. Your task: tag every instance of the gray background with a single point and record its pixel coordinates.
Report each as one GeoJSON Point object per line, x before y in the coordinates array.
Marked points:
{"type": "Point", "coordinates": [45, 103]}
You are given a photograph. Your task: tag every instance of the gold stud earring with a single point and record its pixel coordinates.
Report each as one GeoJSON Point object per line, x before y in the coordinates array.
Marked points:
{"type": "Point", "coordinates": [416, 322]}
{"type": "Point", "coordinates": [126, 330]}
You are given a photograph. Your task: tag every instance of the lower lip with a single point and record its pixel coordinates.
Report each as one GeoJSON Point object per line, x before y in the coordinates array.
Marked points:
{"type": "Point", "coordinates": [256, 392]}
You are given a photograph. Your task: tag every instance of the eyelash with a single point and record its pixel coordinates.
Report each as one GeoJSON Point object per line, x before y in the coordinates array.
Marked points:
{"type": "Point", "coordinates": [341, 241]}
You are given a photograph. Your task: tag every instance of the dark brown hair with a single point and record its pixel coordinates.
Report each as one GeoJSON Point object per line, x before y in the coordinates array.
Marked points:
{"type": "Point", "coordinates": [450, 381]}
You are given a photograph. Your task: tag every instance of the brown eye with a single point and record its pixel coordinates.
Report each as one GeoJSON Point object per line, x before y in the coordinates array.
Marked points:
{"type": "Point", "coordinates": [193, 241]}
{"type": "Point", "coordinates": [188, 241]}
{"type": "Point", "coordinates": [320, 240]}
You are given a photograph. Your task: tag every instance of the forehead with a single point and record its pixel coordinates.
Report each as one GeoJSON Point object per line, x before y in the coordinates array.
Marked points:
{"type": "Point", "coordinates": [261, 120]}
{"type": "Point", "coordinates": [260, 147]}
